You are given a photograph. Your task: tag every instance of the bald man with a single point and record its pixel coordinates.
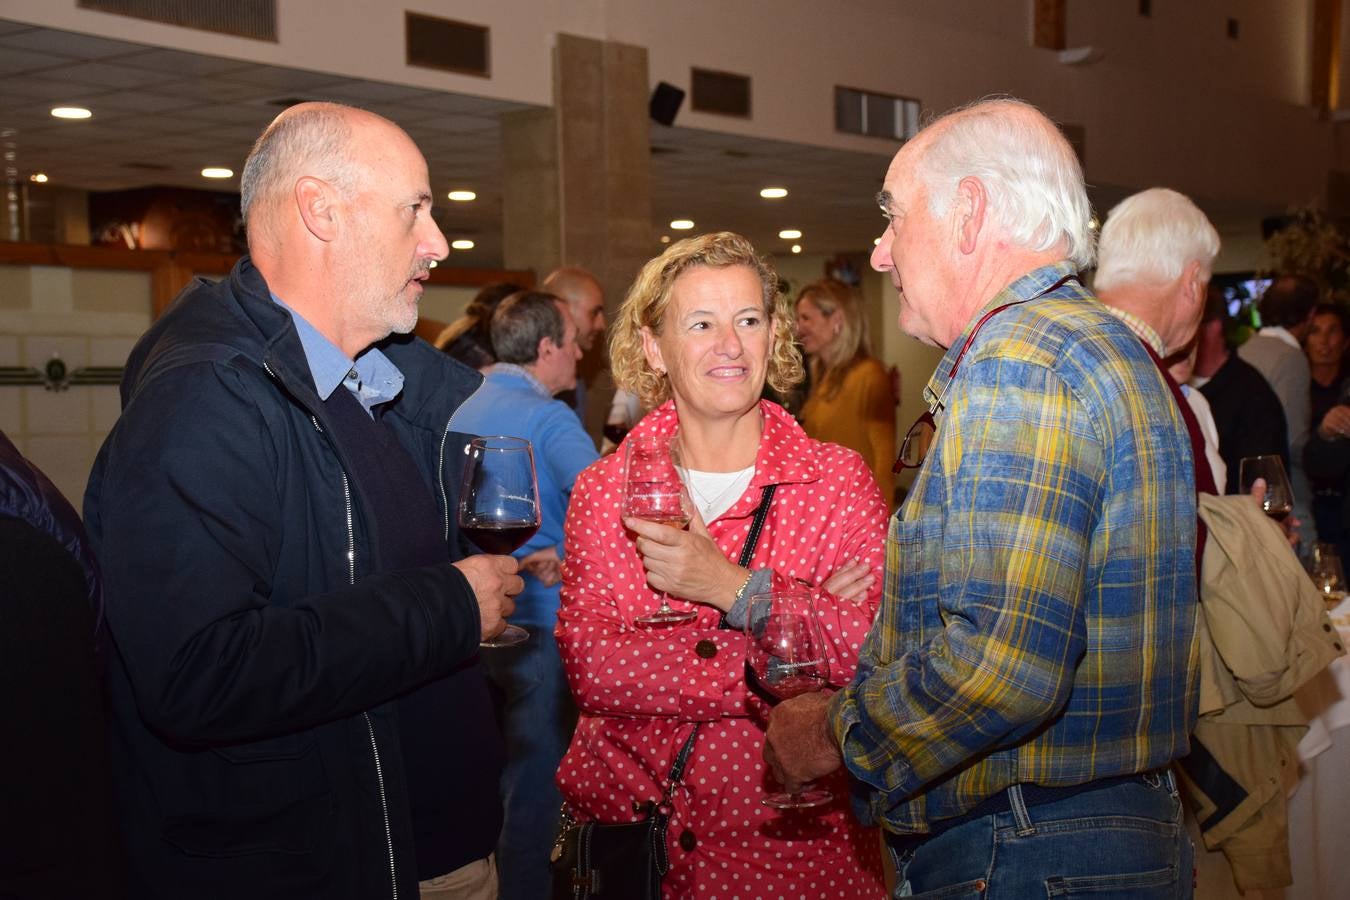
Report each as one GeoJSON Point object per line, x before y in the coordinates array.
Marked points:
{"type": "Point", "coordinates": [585, 300]}
{"type": "Point", "coordinates": [298, 707]}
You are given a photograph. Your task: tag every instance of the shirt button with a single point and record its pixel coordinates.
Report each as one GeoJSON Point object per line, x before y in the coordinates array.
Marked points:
{"type": "Point", "coordinates": [687, 841]}
{"type": "Point", "coordinates": [706, 649]}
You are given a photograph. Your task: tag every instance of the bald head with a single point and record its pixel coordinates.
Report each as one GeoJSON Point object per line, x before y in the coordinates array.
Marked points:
{"type": "Point", "coordinates": [585, 300]}
{"type": "Point", "coordinates": [320, 140]}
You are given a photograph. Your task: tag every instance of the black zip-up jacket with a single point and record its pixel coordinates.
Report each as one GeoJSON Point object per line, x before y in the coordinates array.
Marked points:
{"type": "Point", "coordinates": [254, 658]}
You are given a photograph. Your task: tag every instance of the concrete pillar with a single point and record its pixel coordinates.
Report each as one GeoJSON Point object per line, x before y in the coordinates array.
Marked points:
{"type": "Point", "coordinates": [578, 180]}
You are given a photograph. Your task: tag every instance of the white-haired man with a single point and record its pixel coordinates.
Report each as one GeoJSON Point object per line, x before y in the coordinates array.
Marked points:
{"type": "Point", "coordinates": [1154, 261]}
{"type": "Point", "coordinates": [298, 708]}
{"type": "Point", "coordinates": [1029, 676]}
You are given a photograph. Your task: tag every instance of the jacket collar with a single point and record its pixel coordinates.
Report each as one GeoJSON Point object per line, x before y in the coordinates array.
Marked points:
{"type": "Point", "coordinates": [786, 455]}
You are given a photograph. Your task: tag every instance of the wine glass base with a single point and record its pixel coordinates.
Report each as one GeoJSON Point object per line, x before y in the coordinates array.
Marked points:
{"type": "Point", "coordinates": [667, 616]}
{"type": "Point", "coordinates": [509, 637]}
{"type": "Point", "coordinates": [801, 800]}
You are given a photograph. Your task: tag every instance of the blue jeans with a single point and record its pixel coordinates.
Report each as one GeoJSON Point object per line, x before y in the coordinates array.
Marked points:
{"type": "Point", "coordinates": [1123, 842]}
{"type": "Point", "coordinates": [537, 716]}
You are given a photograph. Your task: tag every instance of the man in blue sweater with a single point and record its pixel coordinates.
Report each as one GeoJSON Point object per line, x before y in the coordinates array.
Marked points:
{"type": "Point", "coordinates": [537, 351]}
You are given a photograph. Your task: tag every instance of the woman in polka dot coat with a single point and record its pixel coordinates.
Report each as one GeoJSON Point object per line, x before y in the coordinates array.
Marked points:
{"type": "Point", "coordinates": [699, 333]}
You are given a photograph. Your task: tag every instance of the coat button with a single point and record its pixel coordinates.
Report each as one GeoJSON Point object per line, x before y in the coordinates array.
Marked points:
{"type": "Point", "coordinates": [1326, 627]}
{"type": "Point", "coordinates": [706, 649]}
{"type": "Point", "coordinates": [687, 840]}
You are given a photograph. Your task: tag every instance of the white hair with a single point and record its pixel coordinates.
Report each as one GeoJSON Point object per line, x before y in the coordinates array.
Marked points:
{"type": "Point", "coordinates": [1029, 172]}
{"type": "Point", "coordinates": [1151, 237]}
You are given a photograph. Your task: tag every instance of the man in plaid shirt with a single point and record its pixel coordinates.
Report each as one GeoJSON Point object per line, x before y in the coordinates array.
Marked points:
{"type": "Point", "coordinates": [1032, 670]}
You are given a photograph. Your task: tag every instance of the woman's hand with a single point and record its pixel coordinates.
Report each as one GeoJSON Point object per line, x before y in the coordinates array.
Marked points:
{"type": "Point", "coordinates": [687, 564]}
{"type": "Point", "coordinates": [851, 581]}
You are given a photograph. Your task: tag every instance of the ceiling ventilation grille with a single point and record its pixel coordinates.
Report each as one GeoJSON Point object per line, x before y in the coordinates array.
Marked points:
{"type": "Point", "coordinates": [242, 18]}
{"type": "Point", "coordinates": [719, 92]}
{"type": "Point", "coordinates": [450, 46]}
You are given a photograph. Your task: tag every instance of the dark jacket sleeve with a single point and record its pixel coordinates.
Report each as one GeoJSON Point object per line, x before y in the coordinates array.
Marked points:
{"type": "Point", "coordinates": [195, 498]}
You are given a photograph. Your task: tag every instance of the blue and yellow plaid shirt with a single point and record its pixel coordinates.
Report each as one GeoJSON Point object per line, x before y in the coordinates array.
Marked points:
{"type": "Point", "coordinates": [1040, 596]}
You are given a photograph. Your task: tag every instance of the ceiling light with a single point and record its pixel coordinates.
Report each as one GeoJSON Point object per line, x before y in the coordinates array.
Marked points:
{"type": "Point", "coordinates": [796, 248]}
{"type": "Point", "coordinates": [682, 224]}
{"type": "Point", "coordinates": [665, 239]}
{"type": "Point", "coordinates": [462, 196]}
{"type": "Point", "coordinates": [462, 244]}
{"type": "Point", "coordinates": [217, 172]}
{"type": "Point", "coordinates": [773, 193]}
{"type": "Point", "coordinates": [71, 112]}
{"type": "Point", "coordinates": [432, 264]}
{"type": "Point", "coordinates": [876, 242]}
{"type": "Point", "coordinates": [39, 177]}
{"type": "Point", "coordinates": [789, 234]}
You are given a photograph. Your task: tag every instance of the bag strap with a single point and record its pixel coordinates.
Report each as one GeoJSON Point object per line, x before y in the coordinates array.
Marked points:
{"type": "Point", "coordinates": [747, 554]}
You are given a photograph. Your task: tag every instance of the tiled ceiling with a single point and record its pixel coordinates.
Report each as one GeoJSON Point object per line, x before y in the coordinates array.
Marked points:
{"type": "Point", "coordinates": [162, 115]}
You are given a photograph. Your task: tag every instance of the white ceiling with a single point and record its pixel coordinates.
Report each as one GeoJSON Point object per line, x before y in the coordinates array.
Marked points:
{"type": "Point", "coordinates": [161, 115]}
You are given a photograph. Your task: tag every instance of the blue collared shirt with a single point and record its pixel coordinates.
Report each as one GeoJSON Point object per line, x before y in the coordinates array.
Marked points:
{"type": "Point", "coordinates": [372, 378]}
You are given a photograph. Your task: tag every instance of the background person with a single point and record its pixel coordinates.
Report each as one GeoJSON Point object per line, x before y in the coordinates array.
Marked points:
{"type": "Point", "coordinates": [537, 353]}
{"type": "Point", "coordinates": [469, 338]}
{"type": "Point", "coordinates": [585, 299]}
{"type": "Point", "coordinates": [297, 704]}
{"type": "Point", "coordinates": [850, 401]}
{"type": "Point", "coordinates": [702, 329]}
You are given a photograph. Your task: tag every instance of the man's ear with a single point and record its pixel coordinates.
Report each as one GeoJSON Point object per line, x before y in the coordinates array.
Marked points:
{"type": "Point", "coordinates": [545, 344]}
{"type": "Point", "coordinates": [1196, 285]}
{"type": "Point", "coordinates": [316, 203]}
{"type": "Point", "coordinates": [652, 349]}
{"type": "Point", "coordinates": [968, 211]}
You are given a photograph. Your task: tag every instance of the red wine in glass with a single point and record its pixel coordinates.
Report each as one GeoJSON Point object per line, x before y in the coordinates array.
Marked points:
{"type": "Point", "coordinates": [500, 538]}
{"type": "Point", "coordinates": [499, 505]}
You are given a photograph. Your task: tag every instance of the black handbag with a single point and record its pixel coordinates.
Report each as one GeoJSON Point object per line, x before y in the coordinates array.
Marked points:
{"type": "Point", "coordinates": [627, 861]}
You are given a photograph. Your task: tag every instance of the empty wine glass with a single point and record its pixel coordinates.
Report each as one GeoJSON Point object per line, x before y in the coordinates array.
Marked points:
{"type": "Point", "coordinates": [1279, 499]}
{"type": "Point", "coordinates": [1327, 573]}
{"type": "Point", "coordinates": [785, 657]}
{"type": "Point", "coordinates": [499, 505]}
{"type": "Point", "coordinates": [653, 491]}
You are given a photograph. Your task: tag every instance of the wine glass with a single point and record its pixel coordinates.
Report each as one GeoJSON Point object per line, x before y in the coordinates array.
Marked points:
{"type": "Point", "coordinates": [654, 491]}
{"type": "Point", "coordinates": [499, 505]}
{"type": "Point", "coordinates": [1279, 499]}
{"type": "Point", "coordinates": [1327, 574]}
{"type": "Point", "coordinates": [785, 657]}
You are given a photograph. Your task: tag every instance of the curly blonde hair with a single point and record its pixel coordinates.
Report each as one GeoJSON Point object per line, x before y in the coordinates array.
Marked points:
{"type": "Point", "coordinates": [647, 300]}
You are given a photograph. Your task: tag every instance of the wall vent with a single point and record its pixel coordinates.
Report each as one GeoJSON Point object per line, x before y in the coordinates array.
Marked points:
{"type": "Point", "coordinates": [450, 46]}
{"type": "Point", "coordinates": [875, 115]}
{"type": "Point", "coordinates": [242, 18]}
{"type": "Point", "coordinates": [724, 93]}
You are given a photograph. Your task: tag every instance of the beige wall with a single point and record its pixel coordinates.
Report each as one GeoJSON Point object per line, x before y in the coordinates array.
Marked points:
{"type": "Point", "coordinates": [1225, 117]}
{"type": "Point", "coordinates": [87, 318]}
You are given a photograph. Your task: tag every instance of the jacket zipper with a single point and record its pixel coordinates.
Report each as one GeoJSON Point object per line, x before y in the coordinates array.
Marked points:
{"type": "Point", "coordinates": [370, 726]}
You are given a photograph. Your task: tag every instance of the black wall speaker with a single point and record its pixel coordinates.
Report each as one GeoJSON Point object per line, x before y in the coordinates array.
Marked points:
{"type": "Point", "coordinates": [666, 100]}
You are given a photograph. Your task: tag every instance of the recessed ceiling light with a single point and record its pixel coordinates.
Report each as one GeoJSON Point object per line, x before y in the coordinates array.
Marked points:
{"type": "Point", "coordinates": [876, 242]}
{"type": "Point", "coordinates": [773, 193]}
{"type": "Point", "coordinates": [462, 196]}
{"type": "Point", "coordinates": [682, 224]}
{"type": "Point", "coordinates": [665, 239]}
{"type": "Point", "coordinates": [796, 248]}
{"type": "Point", "coordinates": [71, 112]}
{"type": "Point", "coordinates": [39, 177]}
{"type": "Point", "coordinates": [217, 172]}
{"type": "Point", "coordinates": [462, 244]}
{"type": "Point", "coordinates": [432, 264]}
{"type": "Point", "coordinates": [789, 234]}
